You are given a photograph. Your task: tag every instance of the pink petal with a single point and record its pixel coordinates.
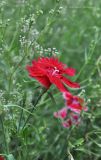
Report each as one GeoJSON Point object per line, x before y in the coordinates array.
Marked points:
{"type": "Point", "coordinates": [67, 95]}
{"type": "Point", "coordinates": [75, 117]}
{"type": "Point", "coordinates": [75, 107]}
{"type": "Point", "coordinates": [56, 115]}
{"type": "Point", "coordinates": [85, 109]}
{"type": "Point", "coordinates": [67, 123]}
{"type": "Point", "coordinates": [61, 113]}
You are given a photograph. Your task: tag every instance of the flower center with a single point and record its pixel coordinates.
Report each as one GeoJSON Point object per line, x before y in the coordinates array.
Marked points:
{"type": "Point", "coordinates": [55, 71]}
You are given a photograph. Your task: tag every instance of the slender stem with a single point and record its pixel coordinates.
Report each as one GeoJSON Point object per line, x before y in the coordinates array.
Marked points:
{"type": "Point", "coordinates": [52, 98]}
{"type": "Point", "coordinates": [21, 114]}
{"type": "Point", "coordinates": [36, 102]}
{"type": "Point", "coordinates": [17, 66]}
{"type": "Point", "coordinates": [10, 78]}
{"type": "Point", "coordinates": [91, 52]}
{"type": "Point", "coordinates": [4, 135]}
{"type": "Point", "coordinates": [20, 119]}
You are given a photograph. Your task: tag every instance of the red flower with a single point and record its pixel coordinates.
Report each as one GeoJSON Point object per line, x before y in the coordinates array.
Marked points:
{"type": "Point", "coordinates": [50, 71]}
{"type": "Point", "coordinates": [67, 120]}
{"type": "Point", "coordinates": [68, 123]}
{"type": "Point", "coordinates": [62, 113]}
{"type": "Point", "coordinates": [74, 116]}
{"type": "Point", "coordinates": [74, 103]}
{"type": "Point", "coordinates": [73, 120]}
{"type": "Point", "coordinates": [1, 158]}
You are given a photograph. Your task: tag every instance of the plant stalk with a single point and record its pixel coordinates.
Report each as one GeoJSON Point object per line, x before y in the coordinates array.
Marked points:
{"type": "Point", "coordinates": [36, 102]}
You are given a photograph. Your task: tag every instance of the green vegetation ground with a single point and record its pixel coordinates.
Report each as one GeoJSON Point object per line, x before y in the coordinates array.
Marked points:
{"type": "Point", "coordinates": [72, 30]}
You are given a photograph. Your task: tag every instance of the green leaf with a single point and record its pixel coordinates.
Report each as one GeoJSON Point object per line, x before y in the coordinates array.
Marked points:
{"type": "Point", "coordinates": [70, 156]}
{"type": "Point", "coordinates": [79, 142]}
{"type": "Point", "coordinates": [10, 157]}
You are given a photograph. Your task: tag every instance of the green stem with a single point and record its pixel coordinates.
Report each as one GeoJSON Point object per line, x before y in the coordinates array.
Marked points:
{"type": "Point", "coordinates": [90, 54]}
{"type": "Point", "coordinates": [4, 135]}
{"type": "Point", "coordinates": [10, 79]}
{"type": "Point", "coordinates": [52, 98]}
{"type": "Point", "coordinates": [25, 55]}
{"type": "Point", "coordinates": [21, 114]}
{"type": "Point", "coordinates": [36, 102]}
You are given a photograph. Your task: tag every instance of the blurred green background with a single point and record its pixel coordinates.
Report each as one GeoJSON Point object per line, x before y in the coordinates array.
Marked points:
{"type": "Point", "coordinates": [70, 29]}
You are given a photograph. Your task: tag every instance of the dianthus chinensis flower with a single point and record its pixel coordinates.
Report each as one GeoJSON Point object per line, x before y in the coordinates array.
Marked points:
{"type": "Point", "coordinates": [50, 71]}
{"type": "Point", "coordinates": [70, 114]}
{"type": "Point", "coordinates": [67, 117]}
{"type": "Point", "coordinates": [74, 103]}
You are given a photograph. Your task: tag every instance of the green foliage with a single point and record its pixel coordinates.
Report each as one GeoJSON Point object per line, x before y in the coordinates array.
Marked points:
{"type": "Point", "coordinates": [72, 31]}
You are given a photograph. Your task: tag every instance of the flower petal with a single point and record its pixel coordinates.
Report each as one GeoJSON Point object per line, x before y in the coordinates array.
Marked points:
{"type": "Point", "coordinates": [75, 107]}
{"type": "Point", "coordinates": [44, 81]}
{"type": "Point", "coordinates": [70, 71]}
{"type": "Point", "coordinates": [62, 113]}
{"type": "Point", "coordinates": [67, 123]}
{"type": "Point", "coordinates": [70, 84]}
{"type": "Point", "coordinates": [67, 95]}
{"type": "Point", "coordinates": [58, 83]}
